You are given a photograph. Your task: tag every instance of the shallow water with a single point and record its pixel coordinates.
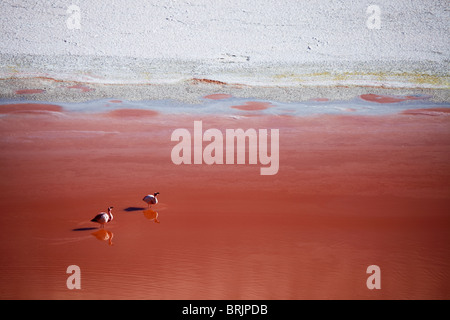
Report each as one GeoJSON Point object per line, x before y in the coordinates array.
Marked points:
{"type": "Point", "coordinates": [353, 190]}
{"type": "Point", "coordinates": [227, 105]}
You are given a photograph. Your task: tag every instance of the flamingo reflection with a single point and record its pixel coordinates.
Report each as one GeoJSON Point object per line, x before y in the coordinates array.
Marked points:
{"type": "Point", "coordinates": [104, 235]}
{"type": "Point", "coordinates": [151, 215]}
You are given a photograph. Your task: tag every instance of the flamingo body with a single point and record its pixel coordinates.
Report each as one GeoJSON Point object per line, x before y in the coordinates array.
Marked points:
{"type": "Point", "coordinates": [151, 199]}
{"type": "Point", "coordinates": [103, 217]}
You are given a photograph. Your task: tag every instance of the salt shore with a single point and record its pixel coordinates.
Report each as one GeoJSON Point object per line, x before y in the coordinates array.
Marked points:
{"type": "Point", "coordinates": [291, 50]}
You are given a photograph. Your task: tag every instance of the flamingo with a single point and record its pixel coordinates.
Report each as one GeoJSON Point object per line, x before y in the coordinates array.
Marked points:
{"type": "Point", "coordinates": [151, 199]}
{"type": "Point", "coordinates": [103, 217]}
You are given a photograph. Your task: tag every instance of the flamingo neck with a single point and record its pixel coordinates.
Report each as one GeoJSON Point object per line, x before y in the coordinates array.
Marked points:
{"type": "Point", "coordinates": [110, 214]}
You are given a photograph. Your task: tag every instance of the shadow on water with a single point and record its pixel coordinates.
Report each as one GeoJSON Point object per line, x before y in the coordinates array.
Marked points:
{"type": "Point", "coordinates": [131, 209]}
{"type": "Point", "coordinates": [84, 229]}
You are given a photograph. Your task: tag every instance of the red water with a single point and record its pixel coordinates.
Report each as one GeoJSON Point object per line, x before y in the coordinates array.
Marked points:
{"type": "Point", "coordinates": [428, 111]}
{"type": "Point", "coordinates": [137, 113]}
{"type": "Point", "coordinates": [81, 87]}
{"type": "Point", "coordinates": [218, 96]}
{"type": "Point", "coordinates": [388, 99]}
{"type": "Point", "coordinates": [253, 106]}
{"type": "Point", "coordinates": [29, 91]}
{"type": "Point", "coordinates": [351, 191]}
{"type": "Point", "coordinates": [28, 107]}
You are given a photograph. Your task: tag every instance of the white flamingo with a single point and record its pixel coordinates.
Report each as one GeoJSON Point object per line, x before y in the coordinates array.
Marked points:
{"type": "Point", "coordinates": [103, 217]}
{"type": "Point", "coordinates": [151, 199]}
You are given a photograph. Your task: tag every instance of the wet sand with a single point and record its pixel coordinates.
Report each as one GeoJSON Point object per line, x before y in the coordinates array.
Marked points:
{"type": "Point", "coordinates": [351, 191]}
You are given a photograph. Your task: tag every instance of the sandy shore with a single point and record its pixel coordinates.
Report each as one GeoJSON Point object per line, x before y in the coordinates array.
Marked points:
{"type": "Point", "coordinates": [351, 191]}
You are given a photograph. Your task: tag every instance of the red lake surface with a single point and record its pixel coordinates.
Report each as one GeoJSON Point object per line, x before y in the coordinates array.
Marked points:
{"type": "Point", "coordinates": [351, 191]}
